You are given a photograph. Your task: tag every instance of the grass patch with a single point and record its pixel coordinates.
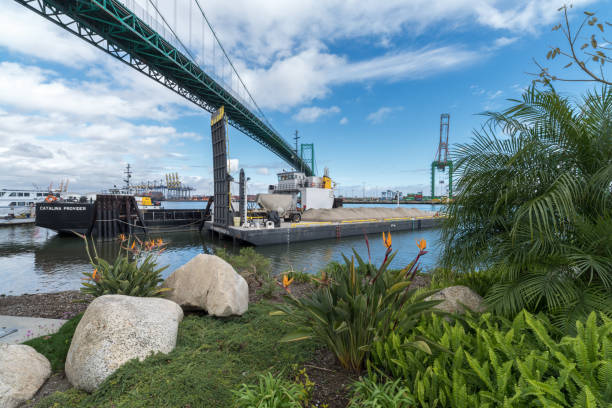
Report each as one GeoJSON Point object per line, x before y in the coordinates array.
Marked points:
{"type": "Point", "coordinates": [213, 357]}
{"type": "Point", "coordinates": [55, 346]}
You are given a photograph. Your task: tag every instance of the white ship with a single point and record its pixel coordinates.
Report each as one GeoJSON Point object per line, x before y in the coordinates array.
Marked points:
{"type": "Point", "coordinates": [20, 203]}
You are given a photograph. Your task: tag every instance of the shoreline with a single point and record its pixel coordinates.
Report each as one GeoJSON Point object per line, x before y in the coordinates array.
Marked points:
{"type": "Point", "coordinates": [69, 303]}
{"type": "Point", "coordinates": [53, 305]}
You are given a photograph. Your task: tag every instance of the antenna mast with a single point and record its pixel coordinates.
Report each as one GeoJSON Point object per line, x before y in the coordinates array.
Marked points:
{"type": "Point", "coordinates": [128, 176]}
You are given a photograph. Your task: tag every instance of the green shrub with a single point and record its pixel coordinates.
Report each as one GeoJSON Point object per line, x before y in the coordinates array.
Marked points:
{"type": "Point", "coordinates": [370, 394]}
{"type": "Point", "coordinates": [479, 281]}
{"type": "Point", "coordinates": [272, 392]}
{"type": "Point", "coordinates": [491, 362]}
{"type": "Point", "coordinates": [252, 265]}
{"type": "Point", "coordinates": [534, 202]}
{"type": "Point", "coordinates": [299, 276]}
{"type": "Point", "coordinates": [357, 306]}
{"type": "Point", "coordinates": [246, 262]}
{"type": "Point", "coordinates": [134, 272]}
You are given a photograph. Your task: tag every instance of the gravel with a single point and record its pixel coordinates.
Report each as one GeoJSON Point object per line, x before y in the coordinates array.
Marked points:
{"type": "Point", "coordinates": [58, 305]}
{"type": "Point", "coordinates": [362, 213]}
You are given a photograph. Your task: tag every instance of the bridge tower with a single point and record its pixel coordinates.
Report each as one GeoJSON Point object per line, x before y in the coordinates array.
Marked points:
{"type": "Point", "coordinates": [308, 156]}
{"type": "Point", "coordinates": [441, 162]}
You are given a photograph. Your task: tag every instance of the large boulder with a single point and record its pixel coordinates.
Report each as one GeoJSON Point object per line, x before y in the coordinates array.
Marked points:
{"type": "Point", "coordinates": [22, 372]}
{"type": "Point", "coordinates": [454, 297]}
{"type": "Point", "coordinates": [116, 329]}
{"type": "Point", "coordinates": [209, 283]}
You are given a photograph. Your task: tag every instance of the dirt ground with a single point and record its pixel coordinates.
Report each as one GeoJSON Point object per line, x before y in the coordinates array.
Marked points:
{"type": "Point", "coordinates": [58, 305]}
{"type": "Point", "coordinates": [57, 382]}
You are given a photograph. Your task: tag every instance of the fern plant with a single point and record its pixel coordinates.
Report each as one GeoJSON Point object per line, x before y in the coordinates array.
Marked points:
{"type": "Point", "coordinates": [370, 394]}
{"type": "Point", "coordinates": [273, 392]}
{"type": "Point", "coordinates": [491, 362]}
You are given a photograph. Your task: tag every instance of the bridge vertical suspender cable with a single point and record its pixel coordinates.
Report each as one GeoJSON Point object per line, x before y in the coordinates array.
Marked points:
{"type": "Point", "coordinates": [214, 33]}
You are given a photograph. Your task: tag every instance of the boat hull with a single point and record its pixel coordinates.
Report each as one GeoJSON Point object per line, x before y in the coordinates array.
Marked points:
{"type": "Point", "coordinates": [65, 218]}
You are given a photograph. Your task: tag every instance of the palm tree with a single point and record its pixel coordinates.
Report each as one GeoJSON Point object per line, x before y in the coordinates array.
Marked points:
{"type": "Point", "coordinates": [534, 206]}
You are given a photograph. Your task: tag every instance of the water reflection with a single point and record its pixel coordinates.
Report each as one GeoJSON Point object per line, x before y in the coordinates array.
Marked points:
{"type": "Point", "coordinates": [34, 259]}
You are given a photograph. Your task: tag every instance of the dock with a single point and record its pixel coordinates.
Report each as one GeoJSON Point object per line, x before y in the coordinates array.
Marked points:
{"type": "Point", "coordinates": [16, 221]}
{"type": "Point", "coordinates": [346, 200]}
{"type": "Point", "coordinates": [308, 231]}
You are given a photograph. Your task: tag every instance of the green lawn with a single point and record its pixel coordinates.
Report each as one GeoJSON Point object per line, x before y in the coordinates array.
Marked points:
{"type": "Point", "coordinates": [55, 347]}
{"type": "Point", "coordinates": [212, 357]}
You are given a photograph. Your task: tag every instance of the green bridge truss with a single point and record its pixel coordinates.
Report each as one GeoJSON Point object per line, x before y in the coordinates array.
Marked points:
{"type": "Point", "coordinates": [116, 30]}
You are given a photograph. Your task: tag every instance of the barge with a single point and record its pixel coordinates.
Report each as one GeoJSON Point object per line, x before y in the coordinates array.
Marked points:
{"type": "Point", "coordinates": [110, 215]}
{"type": "Point", "coordinates": [289, 233]}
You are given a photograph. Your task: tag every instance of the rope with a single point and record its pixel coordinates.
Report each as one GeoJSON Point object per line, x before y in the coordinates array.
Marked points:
{"type": "Point", "coordinates": [166, 229]}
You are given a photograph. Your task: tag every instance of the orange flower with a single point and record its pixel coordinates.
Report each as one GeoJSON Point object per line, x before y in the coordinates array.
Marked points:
{"type": "Point", "coordinates": [387, 240]}
{"type": "Point", "coordinates": [422, 244]}
{"type": "Point", "coordinates": [287, 282]}
{"type": "Point", "coordinates": [122, 237]}
{"type": "Point", "coordinates": [133, 244]}
{"type": "Point", "coordinates": [93, 275]}
{"type": "Point", "coordinates": [160, 242]}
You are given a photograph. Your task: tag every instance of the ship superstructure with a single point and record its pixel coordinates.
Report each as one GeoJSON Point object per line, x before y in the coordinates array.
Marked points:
{"type": "Point", "coordinates": [308, 191]}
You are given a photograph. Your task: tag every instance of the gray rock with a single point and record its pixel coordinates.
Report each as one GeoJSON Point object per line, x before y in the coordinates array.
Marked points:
{"type": "Point", "coordinates": [22, 372]}
{"type": "Point", "coordinates": [209, 283]}
{"type": "Point", "coordinates": [116, 329]}
{"type": "Point", "coordinates": [454, 296]}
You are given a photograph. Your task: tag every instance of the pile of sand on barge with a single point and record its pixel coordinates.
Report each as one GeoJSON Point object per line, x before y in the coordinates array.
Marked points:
{"type": "Point", "coordinates": [362, 213]}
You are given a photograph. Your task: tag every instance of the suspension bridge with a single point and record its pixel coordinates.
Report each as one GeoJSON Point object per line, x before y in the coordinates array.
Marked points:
{"type": "Point", "coordinates": [173, 43]}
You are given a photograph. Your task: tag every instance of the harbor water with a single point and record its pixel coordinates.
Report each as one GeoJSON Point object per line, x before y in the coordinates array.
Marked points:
{"type": "Point", "coordinates": [36, 260]}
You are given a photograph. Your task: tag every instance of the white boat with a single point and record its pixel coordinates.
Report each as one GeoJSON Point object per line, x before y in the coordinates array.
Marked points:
{"type": "Point", "coordinates": [20, 203]}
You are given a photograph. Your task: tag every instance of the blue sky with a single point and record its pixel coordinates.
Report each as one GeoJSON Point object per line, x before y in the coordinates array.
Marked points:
{"type": "Point", "coordinates": [366, 83]}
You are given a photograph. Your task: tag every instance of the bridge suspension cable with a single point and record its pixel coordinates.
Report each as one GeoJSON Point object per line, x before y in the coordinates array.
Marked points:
{"type": "Point", "coordinates": [128, 31]}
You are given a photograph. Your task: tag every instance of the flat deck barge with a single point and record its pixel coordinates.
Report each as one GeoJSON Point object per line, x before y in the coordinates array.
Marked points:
{"type": "Point", "coordinates": [309, 231]}
{"type": "Point", "coordinates": [111, 215]}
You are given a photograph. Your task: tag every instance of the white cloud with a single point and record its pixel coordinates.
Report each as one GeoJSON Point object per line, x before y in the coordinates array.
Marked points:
{"type": "Point", "coordinates": [310, 74]}
{"type": "Point", "coordinates": [312, 113]}
{"type": "Point", "coordinates": [263, 31]}
{"type": "Point", "coordinates": [344, 121]}
{"type": "Point", "coordinates": [381, 114]}
{"type": "Point", "coordinates": [81, 129]}
{"type": "Point", "coordinates": [29, 151]}
{"type": "Point", "coordinates": [264, 171]}
{"type": "Point", "coordinates": [504, 41]}
{"type": "Point", "coordinates": [87, 128]}
{"type": "Point", "coordinates": [279, 45]}
{"type": "Point", "coordinates": [22, 30]}
{"type": "Point", "coordinates": [233, 165]}
{"type": "Point", "coordinates": [496, 94]}
{"type": "Point", "coordinates": [30, 88]}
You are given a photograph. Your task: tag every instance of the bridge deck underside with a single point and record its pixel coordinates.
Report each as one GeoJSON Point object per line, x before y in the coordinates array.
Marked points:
{"type": "Point", "coordinates": [110, 26]}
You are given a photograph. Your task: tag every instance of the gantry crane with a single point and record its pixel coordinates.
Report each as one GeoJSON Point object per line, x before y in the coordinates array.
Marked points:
{"type": "Point", "coordinates": [442, 162]}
